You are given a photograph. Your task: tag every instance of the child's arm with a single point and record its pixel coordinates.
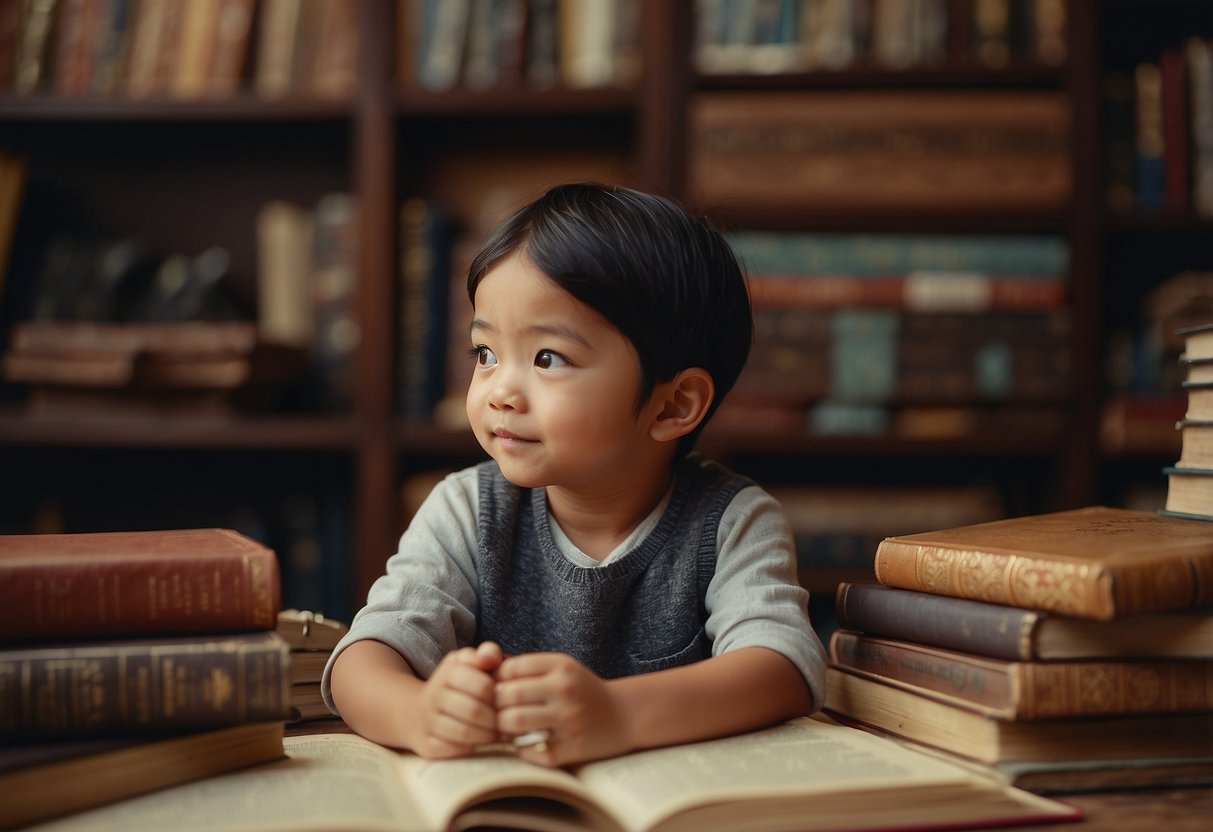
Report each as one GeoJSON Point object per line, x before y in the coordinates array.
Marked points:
{"type": "Point", "coordinates": [447, 715]}
{"type": "Point", "coordinates": [590, 718]}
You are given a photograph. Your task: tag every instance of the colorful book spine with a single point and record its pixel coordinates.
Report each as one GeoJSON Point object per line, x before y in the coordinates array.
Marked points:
{"type": "Point", "coordinates": [142, 686]}
{"type": "Point", "coordinates": [101, 585]}
{"type": "Point", "coordinates": [923, 291]}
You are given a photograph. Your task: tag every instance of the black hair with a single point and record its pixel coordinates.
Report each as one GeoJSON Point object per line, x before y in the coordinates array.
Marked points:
{"type": "Point", "coordinates": [665, 279]}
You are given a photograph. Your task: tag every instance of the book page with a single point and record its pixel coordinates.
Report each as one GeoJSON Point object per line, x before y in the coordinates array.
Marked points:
{"type": "Point", "coordinates": [805, 757]}
{"type": "Point", "coordinates": [507, 791]}
{"type": "Point", "coordinates": [330, 781]}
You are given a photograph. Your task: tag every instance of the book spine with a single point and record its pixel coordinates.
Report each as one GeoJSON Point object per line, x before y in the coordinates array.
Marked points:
{"type": "Point", "coordinates": [33, 47]}
{"type": "Point", "coordinates": [142, 686]}
{"type": "Point", "coordinates": [1172, 68]}
{"type": "Point", "coordinates": [424, 290]}
{"type": "Point", "coordinates": [1031, 690]}
{"type": "Point", "coordinates": [336, 51]}
{"type": "Point", "coordinates": [1149, 138]}
{"type": "Point", "coordinates": [1199, 53]}
{"type": "Point", "coordinates": [334, 297]}
{"type": "Point", "coordinates": [233, 28]}
{"type": "Point", "coordinates": [1075, 588]}
{"type": "Point", "coordinates": [99, 597]}
{"type": "Point", "coordinates": [985, 629]}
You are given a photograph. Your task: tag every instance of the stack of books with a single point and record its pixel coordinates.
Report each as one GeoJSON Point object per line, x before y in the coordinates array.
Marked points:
{"type": "Point", "coordinates": [143, 368]}
{"type": "Point", "coordinates": [1190, 480]}
{"type": "Point", "coordinates": [312, 638]}
{"type": "Point", "coordinates": [1064, 652]}
{"type": "Point", "coordinates": [132, 661]}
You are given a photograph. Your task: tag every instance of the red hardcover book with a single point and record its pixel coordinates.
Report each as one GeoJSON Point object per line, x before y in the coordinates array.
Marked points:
{"type": "Point", "coordinates": [183, 581]}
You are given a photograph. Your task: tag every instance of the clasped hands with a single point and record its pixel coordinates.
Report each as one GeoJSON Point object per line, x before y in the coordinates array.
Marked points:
{"type": "Point", "coordinates": [479, 696]}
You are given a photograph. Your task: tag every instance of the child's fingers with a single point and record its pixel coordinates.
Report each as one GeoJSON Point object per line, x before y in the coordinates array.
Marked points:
{"type": "Point", "coordinates": [473, 683]}
{"type": "Point", "coordinates": [490, 652]}
{"type": "Point", "coordinates": [456, 731]}
{"type": "Point", "coordinates": [528, 664]}
{"type": "Point", "coordinates": [476, 711]}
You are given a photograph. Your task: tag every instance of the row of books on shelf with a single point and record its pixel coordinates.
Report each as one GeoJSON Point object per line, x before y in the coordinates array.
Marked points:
{"type": "Point", "coordinates": [1061, 652]}
{"type": "Point", "coordinates": [133, 661]}
{"type": "Point", "coordinates": [534, 44]}
{"type": "Point", "coordinates": [773, 36]}
{"type": "Point", "coordinates": [919, 151]}
{"type": "Point", "coordinates": [888, 356]}
{"type": "Point", "coordinates": [178, 49]}
{"type": "Point", "coordinates": [879, 334]}
{"type": "Point", "coordinates": [1159, 134]}
{"type": "Point", "coordinates": [215, 49]}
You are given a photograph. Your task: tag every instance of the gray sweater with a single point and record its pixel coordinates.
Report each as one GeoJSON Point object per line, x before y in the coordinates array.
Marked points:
{"type": "Point", "coordinates": [645, 611]}
{"type": "Point", "coordinates": [428, 601]}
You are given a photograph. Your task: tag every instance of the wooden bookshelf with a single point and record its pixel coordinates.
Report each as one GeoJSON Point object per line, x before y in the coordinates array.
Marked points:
{"type": "Point", "coordinates": [383, 142]}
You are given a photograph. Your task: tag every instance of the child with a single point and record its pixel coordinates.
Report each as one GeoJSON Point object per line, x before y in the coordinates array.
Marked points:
{"type": "Point", "coordinates": [595, 588]}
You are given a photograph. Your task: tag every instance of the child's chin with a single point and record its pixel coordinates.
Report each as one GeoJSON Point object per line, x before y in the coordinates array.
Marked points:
{"type": "Point", "coordinates": [519, 475]}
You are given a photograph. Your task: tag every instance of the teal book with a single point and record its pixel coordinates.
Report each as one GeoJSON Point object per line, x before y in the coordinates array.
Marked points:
{"type": "Point", "coordinates": [882, 255]}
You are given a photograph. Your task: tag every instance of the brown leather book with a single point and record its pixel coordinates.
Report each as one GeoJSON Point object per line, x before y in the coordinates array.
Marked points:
{"type": "Point", "coordinates": [945, 724]}
{"type": "Point", "coordinates": [98, 585]}
{"type": "Point", "coordinates": [1095, 562]}
{"type": "Point", "coordinates": [1029, 690]}
{"type": "Point", "coordinates": [142, 686]}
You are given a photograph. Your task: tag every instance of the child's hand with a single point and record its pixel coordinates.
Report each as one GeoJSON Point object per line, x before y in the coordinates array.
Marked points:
{"type": "Point", "coordinates": [458, 711]}
{"type": "Point", "coordinates": [554, 692]}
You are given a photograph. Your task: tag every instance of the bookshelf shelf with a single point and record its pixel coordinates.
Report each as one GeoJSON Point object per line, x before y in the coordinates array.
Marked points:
{"type": "Point", "coordinates": [943, 77]}
{"type": "Point", "coordinates": [50, 108]}
{"type": "Point", "coordinates": [283, 433]}
{"type": "Point", "coordinates": [520, 101]}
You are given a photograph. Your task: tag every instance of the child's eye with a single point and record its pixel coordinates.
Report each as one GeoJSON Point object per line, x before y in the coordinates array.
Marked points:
{"type": "Point", "coordinates": [548, 360]}
{"type": "Point", "coordinates": [484, 356]}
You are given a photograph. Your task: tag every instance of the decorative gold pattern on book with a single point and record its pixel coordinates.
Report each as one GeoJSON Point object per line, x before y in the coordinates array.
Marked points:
{"type": "Point", "coordinates": [1015, 581]}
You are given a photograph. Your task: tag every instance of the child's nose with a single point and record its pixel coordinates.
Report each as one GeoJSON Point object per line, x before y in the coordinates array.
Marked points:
{"type": "Point", "coordinates": [507, 392]}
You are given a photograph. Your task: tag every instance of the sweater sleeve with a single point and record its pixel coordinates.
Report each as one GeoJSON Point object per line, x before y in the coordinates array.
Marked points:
{"type": "Point", "coordinates": [755, 598]}
{"type": "Point", "coordinates": [425, 605]}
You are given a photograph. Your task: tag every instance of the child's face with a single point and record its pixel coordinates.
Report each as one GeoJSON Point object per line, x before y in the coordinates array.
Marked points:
{"type": "Point", "coordinates": [554, 385]}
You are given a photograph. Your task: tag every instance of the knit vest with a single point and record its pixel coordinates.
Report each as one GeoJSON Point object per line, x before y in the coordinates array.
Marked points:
{"type": "Point", "coordinates": [645, 611]}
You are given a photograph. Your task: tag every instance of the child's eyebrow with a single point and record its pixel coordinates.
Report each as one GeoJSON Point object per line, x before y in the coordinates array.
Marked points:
{"type": "Point", "coordinates": [559, 330]}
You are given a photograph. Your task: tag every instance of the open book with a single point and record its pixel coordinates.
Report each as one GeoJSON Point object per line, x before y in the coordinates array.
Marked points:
{"type": "Point", "coordinates": [803, 775]}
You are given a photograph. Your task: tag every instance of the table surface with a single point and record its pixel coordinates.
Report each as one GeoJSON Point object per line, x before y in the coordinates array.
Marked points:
{"type": "Point", "coordinates": [1151, 810]}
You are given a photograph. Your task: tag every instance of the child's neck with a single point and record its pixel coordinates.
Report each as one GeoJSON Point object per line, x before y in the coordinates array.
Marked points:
{"type": "Point", "coordinates": [596, 523]}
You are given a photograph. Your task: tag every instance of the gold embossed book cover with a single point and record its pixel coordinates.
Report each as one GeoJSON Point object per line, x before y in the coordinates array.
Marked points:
{"type": "Point", "coordinates": [1095, 562]}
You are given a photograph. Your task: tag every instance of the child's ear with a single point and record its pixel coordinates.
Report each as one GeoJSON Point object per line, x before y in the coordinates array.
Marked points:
{"type": "Point", "coordinates": [684, 402]}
